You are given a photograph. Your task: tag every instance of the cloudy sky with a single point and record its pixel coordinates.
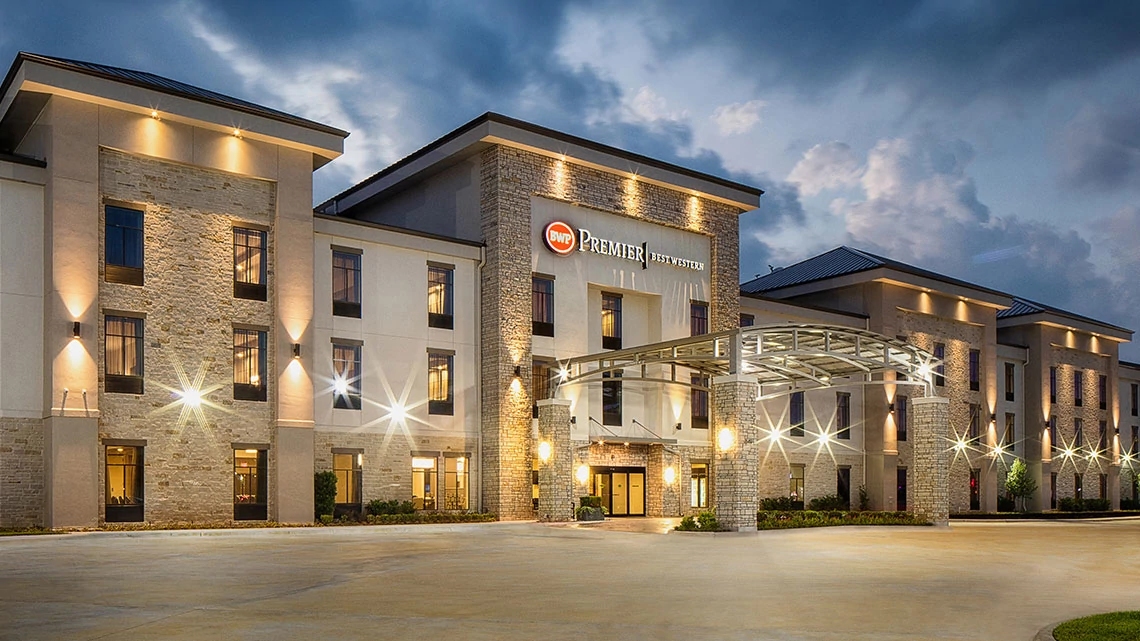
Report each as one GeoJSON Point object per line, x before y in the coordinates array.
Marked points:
{"type": "Point", "coordinates": [996, 142]}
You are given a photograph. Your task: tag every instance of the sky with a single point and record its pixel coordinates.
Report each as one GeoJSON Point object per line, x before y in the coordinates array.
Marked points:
{"type": "Point", "coordinates": [997, 142]}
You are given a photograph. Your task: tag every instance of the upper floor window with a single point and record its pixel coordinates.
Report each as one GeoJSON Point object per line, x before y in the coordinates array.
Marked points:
{"type": "Point", "coordinates": [123, 245]}
{"type": "Point", "coordinates": [542, 305]}
{"type": "Point", "coordinates": [1052, 384]}
{"type": "Point", "coordinates": [1102, 391]}
{"type": "Point", "coordinates": [1078, 388]}
{"type": "Point", "coordinates": [975, 430]}
{"type": "Point", "coordinates": [441, 296]}
{"type": "Point", "coordinates": [940, 367]}
{"type": "Point", "coordinates": [611, 398]}
{"type": "Point", "coordinates": [1078, 433]}
{"type": "Point", "coordinates": [843, 415]}
{"type": "Point", "coordinates": [541, 377]}
{"type": "Point", "coordinates": [1102, 437]}
{"type": "Point", "coordinates": [1053, 433]}
{"type": "Point", "coordinates": [346, 283]}
{"type": "Point", "coordinates": [900, 418]}
{"type": "Point", "coordinates": [1009, 395]}
{"type": "Point", "coordinates": [699, 401]}
{"type": "Point", "coordinates": [1010, 422]}
{"type": "Point", "coordinates": [249, 264]}
{"type": "Point", "coordinates": [747, 320]}
{"type": "Point", "coordinates": [346, 376]}
{"type": "Point", "coordinates": [441, 383]}
{"type": "Point", "coordinates": [975, 370]}
{"type": "Point", "coordinates": [1135, 399]}
{"type": "Point", "coordinates": [123, 360]}
{"type": "Point", "coordinates": [796, 414]}
{"type": "Point", "coordinates": [1135, 437]}
{"type": "Point", "coordinates": [250, 355]}
{"type": "Point", "coordinates": [611, 321]}
{"type": "Point", "coordinates": [698, 318]}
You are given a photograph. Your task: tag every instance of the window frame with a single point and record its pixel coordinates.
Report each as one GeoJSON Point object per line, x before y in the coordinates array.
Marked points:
{"type": "Point", "coordinates": [1102, 391]}
{"type": "Point", "coordinates": [698, 318]}
{"type": "Point", "coordinates": [1010, 378]}
{"type": "Point", "coordinates": [452, 497]}
{"type": "Point", "coordinates": [441, 363]}
{"type": "Point", "coordinates": [124, 272]}
{"type": "Point", "coordinates": [1078, 433]}
{"type": "Point", "coordinates": [541, 305]}
{"type": "Point", "coordinates": [901, 418]}
{"type": "Point", "coordinates": [1078, 388]}
{"type": "Point", "coordinates": [124, 512]}
{"type": "Point", "coordinates": [430, 479]}
{"type": "Point", "coordinates": [699, 409]}
{"type": "Point", "coordinates": [353, 481]}
{"type": "Point", "coordinates": [1010, 434]}
{"type": "Point", "coordinates": [251, 391]}
{"type": "Point", "coordinates": [350, 356]}
{"type": "Point", "coordinates": [699, 484]}
{"type": "Point", "coordinates": [939, 352]}
{"type": "Point", "coordinates": [123, 383]}
{"type": "Point", "coordinates": [974, 430]}
{"type": "Point", "coordinates": [256, 509]}
{"type": "Point", "coordinates": [245, 288]}
{"type": "Point", "coordinates": [1052, 384]}
{"type": "Point", "coordinates": [347, 300]}
{"type": "Point", "coordinates": [611, 307]}
{"type": "Point", "coordinates": [747, 320]}
{"type": "Point", "coordinates": [797, 484]}
{"type": "Point", "coordinates": [541, 376]}
{"type": "Point", "coordinates": [796, 414]}
{"type": "Point", "coordinates": [843, 416]}
{"type": "Point", "coordinates": [612, 387]}
{"type": "Point", "coordinates": [975, 370]}
{"type": "Point", "coordinates": [441, 286]}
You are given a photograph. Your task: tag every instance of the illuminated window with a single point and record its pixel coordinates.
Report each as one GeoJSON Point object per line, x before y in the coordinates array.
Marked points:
{"type": "Point", "coordinates": [796, 482]}
{"type": "Point", "coordinates": [699, 402]}
{"type": "Point", "coordinates": [347, 467]}
{"type": "Point", "coordinates": [1052, 384]}
{"type": "Point", "coordinates": [747, 320]}
{"type": "Point", "coordinates": [611, 321]}
{"type": "Point", "coordinates": [123, 245]}
{"type": "Point", "coordinates": [843, 415]}
{"type": "Point", "coordinates": [346, 283]}
{"type": "Point", "coordinates": [1010, 422]}
{"type": "Point", "coordinates": [900, 418]}
{"type": "Point", "coordinates": [123, 475]}
{"type": "Point", "coordinates": [251, 484]}
{"type": "Point", "coordinates": [441, 384]}
{"type": "Point", "coordinates": [975, 489]}
{"type": "Point", "coordinates": [1102, 391]}
{"type": "Point", "coordinates": [796, 414]}
{"type": "Point", "coordinates": [1009, 394]}
{"type": "Point", "coordinates": [249, 264]}
{"type": "Point", "coordinates": [975, 370]}
{"type": "Point", "coordinates": [441, 297]}
{"type": "Point", "coordinates": [541, 377]}
{"type": "Point", "coordinates": [698, 318]}
{"type": "Point", "coordinates": [542, 305]}
{"type": "Point", "coordinates": [346, 376]}
{"type": "Point", "coordinates": [699, 485]}
{"type": "Point", "coordinates": [423, 482]}
{"type": "Point", "coordinates": [250, 370]}
{"type": "Point", "coordinates": [611, 398]}
{"type": "Point", "coordinates": [1078, 388]}
{"type": "Point", "coordinates": [455, 474]}
{"type": "Point", "coordinates": [123, 360]}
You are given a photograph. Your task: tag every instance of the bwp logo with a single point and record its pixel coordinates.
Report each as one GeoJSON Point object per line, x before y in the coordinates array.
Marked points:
{"type": "Point", "coordinates": [560, 238]}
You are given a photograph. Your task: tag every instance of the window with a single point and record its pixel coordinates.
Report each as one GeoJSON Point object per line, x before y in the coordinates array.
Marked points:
{"type": "Point", "coordinates": [1078, 486]}
{"type": "Point", "coordinates": [1135, 437]}
{"type": "Point", "coordinates": [1078, 434]}
{"type": "Point", "coordinates": [699, 402]}
{"type": "Point", "coordinates": [843, 485]}
{"type": "Point", "coordinates": [900, 489]}
{"type": "Point", "coordinates": [796, 414]}
{"type": "Point", "coordinates": [975, 370]}
{"type": "Point", "coordinates": [1009, 396]}
{"type": "Point", "coordinates": [611, 321]}
{"type": "Point", "coordinates": [541, 378]}
{"type": "Point", "coordinates": [441, 296]}
{"type": "Point", "coordinates": [747, 320]}
{"type": "Point", "coordinates": [1053, 433]}
{"type": "Point", "coordinates": [900, 418]}
{"type": "Point", "coordinates": [1078, 388]}
{"type": "Point", "coordinates": [940, 368]}
{"type": "Point", "coordinates": [975, 489]}
{"type": "Point", "coordinates": [455, 475]}
{"type": "Point", "coordinates": [250, 370]}
{"type": "Point", "coordinates": [542, 306]}
{"type": "Point", "coordinates": [1102, 437]}
{"type": "Point", "coordinates": [1103, 478]}
{"type": "Point", "coordinates": [423, 482]}
{"type": "Point", "coordinates": [346, 376]}
{"type": "Point", "coordinates": [1010, 423]}
{"type": "Point", "coordinates": [251, 484]}
{"type": "Point", "coordinates": [124, 484]}
{"type": "Point", "coordinates": [249, 264]}
{"type": "Point", "coordinates": [441, 384]}
{"type": "Point", "coordinates": [975, 422]}
{"type": "Point", "coordinates": [698, 319]}
{"type": "Point", "coordinates": [611, 398]}
{"type": "Point", "coordinates": [843, 415]}
{"type": "Point", "coordinates": [796, 482]}
{"type": "Point", "coordinates": [346, 284]}
{"type": "Point", "coordinates": [124, 358]}
{"type": "Point", "coordinates": [699, 485]}
{"type": "Point", "coordinates": [1052, 384]}
{"type": "Point", "coordinates": [1135, 391]}
{"type": "Point", "coordinates": [347, 467]}
{"type": "Point", "coordinates": [1102, 391]}
{"type": "Point", "coordinates": [123, 246]}
{"type": "Point", "coordinates": [1053, 491]}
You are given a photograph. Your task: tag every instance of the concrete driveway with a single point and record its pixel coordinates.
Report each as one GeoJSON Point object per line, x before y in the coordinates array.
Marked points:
{"type": "Point", "coordinates": [988, 581]}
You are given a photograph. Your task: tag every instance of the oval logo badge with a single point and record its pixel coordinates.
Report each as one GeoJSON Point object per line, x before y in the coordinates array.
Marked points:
{"type": "Point", "coordinates": [559, 238]}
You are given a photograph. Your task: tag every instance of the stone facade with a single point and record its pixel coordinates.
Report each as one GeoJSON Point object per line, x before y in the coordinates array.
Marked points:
{"type": "Point", "coordinates": [555, 475]}
{"type": "Point", "coordinates": [190, 313]}
{"type": "Point", "coordinates": [931, 458]}
{"type": "Point", "coordinates": [21, 473]}
{"type": "Point", "coordinates": [736, 467]}
{"type": "Point", "coordinates": [1065, 412]}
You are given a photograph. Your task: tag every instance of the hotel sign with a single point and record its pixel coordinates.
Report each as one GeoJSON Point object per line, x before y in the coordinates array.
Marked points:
{"type": "Point", "coordinates": [562, 239]}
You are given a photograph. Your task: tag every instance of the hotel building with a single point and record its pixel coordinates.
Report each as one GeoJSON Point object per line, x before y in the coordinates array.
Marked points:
{"type": "Point", "coordinates": [506, 319]}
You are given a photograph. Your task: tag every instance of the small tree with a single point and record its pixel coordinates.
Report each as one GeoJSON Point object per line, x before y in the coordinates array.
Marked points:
{"type": "Point", "coordinates": [1018, 484]}
{"type": "Point", "coordinates": [324, 493]}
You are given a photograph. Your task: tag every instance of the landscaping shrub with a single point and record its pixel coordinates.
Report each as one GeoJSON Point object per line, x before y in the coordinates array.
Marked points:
{"type": "Point", "coordinates": [704, 522]}
{"type": "Point", "coordinates": [1129, 504]}
{"type": "Point", "coordinates": [1006, 504]}
{"type": "Point", "coordinates": [780, 503]}
{"type": "Point", "coordinates": [864, 499]}
{"type": "Point", "coordinates": [829, 502]}
{"type": "Point", "coordinates": [586, 513]}
{"type": "Point", "coordinates": [786, 519]}
{"type": "Point", "coordinates": [324, 494]}
{"type": "Point", "coordinates": [590, 501]}
{"type": "Point", "coordinates": [429, 517]}
{"type": "Point", "coordinates": [376, 507]}
{"type": "Point", "coordinates": [1070, 504]}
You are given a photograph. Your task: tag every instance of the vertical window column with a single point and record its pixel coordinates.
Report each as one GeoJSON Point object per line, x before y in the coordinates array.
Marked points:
{"type": "Point", "coordinates": [346, 374]}
{"type": "Point", "coordinates": [796, 414]}
{"type": "Point", "coordinates": [611, 399]}
{"type": "Point", "coordinates": [611, 321]}
{"type": "Point", "coordinates": [441, 296]}
{"type": "Point", "coordinates": [698, 318]}
{"type": "Point", "coordinates": [123, 358]}
{"type": "Point", "coordinates": [1078, 388]}
{"type": "Point", "coordinates": [975, 370]}
{"type": "Point", "coordinates": [347, 465]}
{"type": "Point", "coordinates": [123, 483]}
{"type": "Point", "coordinates": [900, 418]}
{"type": "Point", "coordinates": [251, 483]}
{"type": "Point", "coordinates": [796, 482]}
{"type": "Point", "coordinates": [250, 369]}
{"type": "Point", "coordinates": [346, 286]}
{"type": "Point", "coordinates": [699, 485]}
{"type": "Point", "coordinates": [250, 266]}
{"type": "Point", "coordinates": [423, 482]}
{"type": "Point", "coordinates": [123, 245]}
{"type": "Point", "coordinates": [940, 368]}
{"type": "Point", "coordinates": [441, 383]}
{"type": "Point", "coordinates": [699, 402]}
{"type": "Point", "coordinates": [843, 416]}
{"type": "Point", "coordinates": [1009, 382]}
{"type": "Point", "coordinates": [542, 305]}
{"type": "Point", "coordinates": [456, 471]}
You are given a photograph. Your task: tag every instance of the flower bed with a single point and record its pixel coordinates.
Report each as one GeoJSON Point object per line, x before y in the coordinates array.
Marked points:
{"type": "Point", "coordinates": [426, 517]}
{"type": "Point", "coordinates": [1115, 626]}
{"type": "Point", "coordinates": [786, 519]}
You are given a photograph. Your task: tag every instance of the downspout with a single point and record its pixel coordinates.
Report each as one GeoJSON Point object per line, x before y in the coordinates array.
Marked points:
{"type": "Point", "coordinates": [479, 360]}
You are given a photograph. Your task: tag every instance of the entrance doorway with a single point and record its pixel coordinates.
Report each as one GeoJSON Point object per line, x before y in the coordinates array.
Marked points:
{"type": "Point", "coordinates": [622, 489]}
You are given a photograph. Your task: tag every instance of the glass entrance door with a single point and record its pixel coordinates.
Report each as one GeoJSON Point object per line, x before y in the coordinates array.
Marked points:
{"type": "Point", "coordinates": [622, 490]}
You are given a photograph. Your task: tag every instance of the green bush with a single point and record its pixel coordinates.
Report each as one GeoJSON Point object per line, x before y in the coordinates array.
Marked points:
{"type": "Point", "coordinates": [704, 522]}
{"type": "Point", "coordinates": [586, 513]}
{"type": "Point", "coordinates": [376, 507]}
{"type": "Point", "coordinates": [1070, 504]}
{"type": "Point", "coordinates": [786, 519]}
{"type": "Point", "coordinates": [864, 499]}
{"type": "Point", "coordinates": [1129, 504]}
{"type": "Point", "coordinates": [780, 503]}
{"type": "Point", "coordinates": [1006, 504]}
{"type": "Point", "coordinates": [324, 493]}
{"type": "Point", "coordinates": [326, 519]}
{"type": "Point", "coordinates": [829, 502]}
{"type": "Point", "coordinates": [429, 517]}
{"type": "Point", "coordinates": [590, 501]}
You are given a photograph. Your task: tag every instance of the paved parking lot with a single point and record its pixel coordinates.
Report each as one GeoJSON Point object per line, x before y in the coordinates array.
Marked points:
{"type": "Point", "coordinates": [990, 581]}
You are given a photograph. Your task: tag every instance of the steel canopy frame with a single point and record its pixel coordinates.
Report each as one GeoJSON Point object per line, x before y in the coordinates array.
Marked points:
{"type": "Point", "coordinates": [803, 356]}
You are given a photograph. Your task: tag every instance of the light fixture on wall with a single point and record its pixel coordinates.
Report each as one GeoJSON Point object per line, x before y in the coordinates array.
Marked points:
{"type": "Point", "coordinates": [993, 418]}
{"type": "Point", "coordinates": [677, 427]}
{"type": "Point", "coordinates": [154, 114]}
{"type": "Point", "coordinates": [544, 451]}
{"type": "Point", "coordinates": [236, 132]}
{"type": "Point", "coordinates": [725, 439]}
{"type": "Point", "coordinates": [891, 407]}
{"type": "Point", "coordinates": [296, 350]}
{"type": "Point", "coordinates": [518, 371]}
{"type": "Point", "coordinates": [582, 474]}
{"type": "Point", "coordinates": [670, 475]}
{"type": "Point", "coordinates": [573, 420]}
{"type": "Point", "coordinates": [75, 330]}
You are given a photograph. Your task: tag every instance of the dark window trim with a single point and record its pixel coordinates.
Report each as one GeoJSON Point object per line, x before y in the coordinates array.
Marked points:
{"type": "Point", "coordinates": [975, 366]}
{"type": "Point", "coordinates": [123, 275]}
{"type": "Point", "coordinates": [1010, 377]}
{"type": "Point", "coordinates": [118, 384]}
{"type": "Point", "coordinates": [441, 321]}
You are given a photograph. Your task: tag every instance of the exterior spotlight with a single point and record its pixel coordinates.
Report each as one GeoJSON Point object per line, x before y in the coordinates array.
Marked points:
{"type": "Point", "coordinates": [75, 330]}
{"type": "Point", "coordinates": [993, 418]}
{"type": "Point", "coordinates": [191, 398]}
{"type": "Point", "coordinates": [563, 374]}
{"type": "Point", "coordinates": [518, 371]}
{"type": "Point", "coordinates": [961, 444]}
{"type": "Point", "coordinates": [398, 412]}
{"type": "Point", "coordinates": [340, 386]}
{"type": "Point", "coordinates": [725, 439]}
{"type": "Point", "coordinates": [582, 474]}
{"type": "Point", "coordinates": [999, 450]}
{"type": "Point", "coordinates": [154, 114]}
{"type": "Point", "coordinates": [237, 133]}
{"type": "Point", "coordinates": [670, 475]}
{"type": "Point", "coordinates": [296, 350]}
{"type": "Point", "coordinates": [891, 407]}
{"type": "Point", "coordinates": [823, 439]}
{"type": "Point", "coordinates": [677, 427]}
{"type": "Point", "coordinates": [573, 420]}
{"type": "Point", "coordinates": [544, 451]}
{"type": "Point", "coordinates": [1068, 452]}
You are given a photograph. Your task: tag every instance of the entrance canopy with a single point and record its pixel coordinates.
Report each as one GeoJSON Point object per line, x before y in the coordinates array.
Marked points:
{"type": "Point", "coordinates": [804, 356]}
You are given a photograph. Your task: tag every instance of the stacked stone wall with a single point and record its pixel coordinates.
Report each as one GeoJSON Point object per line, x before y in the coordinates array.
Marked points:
{"type": "Point", "coordinates": [1068, 361]}
{"type": "Point", "coordinates": [22, 472]}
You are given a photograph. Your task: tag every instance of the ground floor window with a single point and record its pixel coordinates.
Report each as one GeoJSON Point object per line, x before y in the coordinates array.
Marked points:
{"type": "Point", "coordinates": [796, 482]}
{"type": "Point", "coordinates": [699, 485]}
{"type": "Point", "coordinates": [975, 489]}
{"type": "Point", "coordinates": [1053, 491]}
{"type": "Point", "coordinates": [900, 492]}
{"type": "Point", "coordinates": [1078, 486]}
{"type": "Point", "coordinates": [1104, 486]}
{"type": "Point", "coordinates": [843, 485]}
{"type": "Point", "coordinates": [423, 482]}
{"type": "Point", "coordinates": [124, 484]}
{"type": "Point", "coordinates": [347, 467]}
{"type": "Point", "coordinates": [455, 474]}
{"type": "Point", "coordinates": [534, 483]}
{"type": "Point", "coordinates": [251, 484]}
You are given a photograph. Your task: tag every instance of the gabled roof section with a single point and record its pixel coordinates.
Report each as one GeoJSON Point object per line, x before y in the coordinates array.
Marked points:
{"type": "Point", "coordinates": [1024, 310]}
{"type": "Point", "coordinates": [493, 128]}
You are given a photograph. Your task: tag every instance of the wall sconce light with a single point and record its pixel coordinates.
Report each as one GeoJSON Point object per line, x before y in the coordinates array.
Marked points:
{"type": "Point", "coordinates": [154, 114]}
{"type": "Point", "coordinates": [296, 350]}
{"type": "Point", "coordinates": [677, 427]}
{"type": "Point", "coordinates": [670, 475]}
{"type": "Point", "coordinates": [237, 133]}
{"type": "Point", "coordinates": [582, 474]}
{"type": "Point", "coordinates": [725, 439]}
{"type": "Point", "coordinates": [544, 451]}
{"type": "Point", "coordinates": [573, 420]}
{"type": "Point", "coordinates": [891, 407]}
{"type": "Point", "coordinates": [993, 418]}
{"type": "Point", "coordinates": [75, 327]}
{"type": "Point", "coordinates": [518, 371]}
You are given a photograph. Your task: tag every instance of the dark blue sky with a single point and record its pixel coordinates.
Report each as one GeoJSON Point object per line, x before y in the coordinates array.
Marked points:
{"type": "Point", "coordinates": [994, 141]}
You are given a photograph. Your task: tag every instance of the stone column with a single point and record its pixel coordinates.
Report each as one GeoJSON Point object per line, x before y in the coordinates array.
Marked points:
{"type": "Point", "coordinates": [556, 474]}
{"type": "Point", "coordinates": [930, 421]}
{"type": "Point", "coordinates": [736, 463]}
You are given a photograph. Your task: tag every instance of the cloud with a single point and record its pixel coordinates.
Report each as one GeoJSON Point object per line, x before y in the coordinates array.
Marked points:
{"type": "Point", "coordinates": [829, 165]}
{"type": "Point", "coordinates": [738, 118]}
{"type": "Point", "coordinates": [1102, 148]}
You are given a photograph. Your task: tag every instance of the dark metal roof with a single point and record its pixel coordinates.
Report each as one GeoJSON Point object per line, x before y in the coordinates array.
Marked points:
{"type": "Point", "coordinates": [1025, 307]}
{"type": "Point", "coordinates": [22, 160]}
{"type": "Point", "coordinates": [491, 116]}
{"type": "Point", "coordinates": [164, 85]}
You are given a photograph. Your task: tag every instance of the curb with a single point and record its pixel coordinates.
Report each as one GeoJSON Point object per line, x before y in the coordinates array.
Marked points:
{"type": "Point", "coordinates": [1046, 633]}
{"type": "Point", "coordinates": [289, 531]}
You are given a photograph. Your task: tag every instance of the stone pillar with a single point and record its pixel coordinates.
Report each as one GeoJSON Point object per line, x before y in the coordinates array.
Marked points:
{"type": "Point", "coordinates": [1114, 486]}
{"type": "Point", "coordinates": [556, 474]}
{"type": "Point", "coordinates": [71, 470]}
{"type": "Point", "coordinates": [930, 421]}
{"type": "Point", "coordinates": [736, 463]}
